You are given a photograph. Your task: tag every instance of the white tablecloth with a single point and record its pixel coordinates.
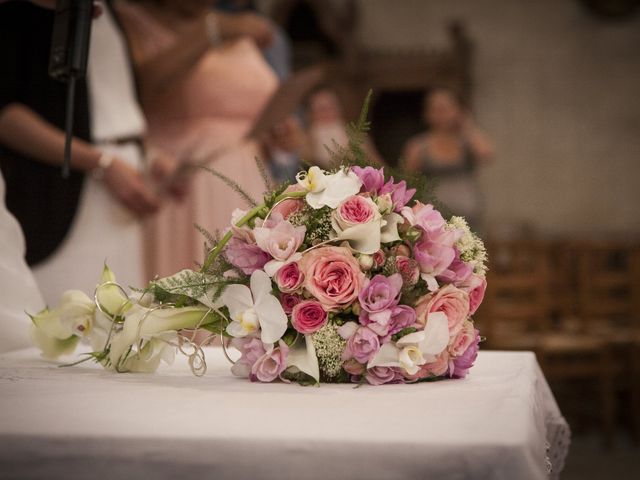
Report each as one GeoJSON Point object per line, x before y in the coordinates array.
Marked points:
{"type": "Point", "coordinates": [84, 422]}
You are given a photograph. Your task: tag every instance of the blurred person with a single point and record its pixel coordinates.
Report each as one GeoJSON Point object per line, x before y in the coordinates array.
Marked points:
{"type": "Point", "coordinates": [72, 226]}
{"type": "Point", "coordinates": [286, 147]}
{"type": "Point", "coordinates": [327, 126]}
{"type": "Point", "coordinates": [278, 52]}
{"type": "Point", "coordinates": [450, 151]}
{"type": "Point", "coordinates": [203, 82]}
{"type": "Point", "coordinates": [19, 292]}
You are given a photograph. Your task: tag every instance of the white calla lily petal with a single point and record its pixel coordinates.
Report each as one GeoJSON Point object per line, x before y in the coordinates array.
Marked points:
{"type": "Point", "coordinates": [389, 231]}
{"type": "Point", "coordinates": [302, 355]}
{"type": "Point", "coordinates": [436, 334]}
{"type": "Point", "coordinates": [363, 238]}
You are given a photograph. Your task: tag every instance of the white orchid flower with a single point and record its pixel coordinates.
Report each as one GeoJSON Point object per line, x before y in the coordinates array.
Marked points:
{"type": "Point", "coordinates": [328, 190]}
{"type": "Point", "coordinates": [151, 325]}
{"type": "Point", "coordinates": [255, 308]}
{"type": "Point", "coordinates": [302, 357]}
{"type": "Point", "coordinates": [416, 349]}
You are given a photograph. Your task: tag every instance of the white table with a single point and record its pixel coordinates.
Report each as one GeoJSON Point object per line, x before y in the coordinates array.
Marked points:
{"type": "Point", "coordinates": [84, 422]}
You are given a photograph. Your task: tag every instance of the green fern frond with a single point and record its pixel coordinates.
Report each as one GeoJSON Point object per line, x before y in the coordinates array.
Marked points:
{"type": "Point", "coordinates": [266, 179]}
{"type": "Point", "coordinates": [231, 183]}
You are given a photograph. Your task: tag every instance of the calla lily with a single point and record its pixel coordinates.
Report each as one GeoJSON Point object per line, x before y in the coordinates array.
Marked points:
{"type": "Point", "coordinates": [74, 316]}
{"type": "Point", "coordinates": [415, 349]}
{"type": "Point", "coordinates": [56, 332]}
{"type": "Point", "coordinates": [389, 230]}
{"type": "Point", "coordinates": [142, 323]}
{"type": "Point", "coordinates": [302, 356]}
{"type": "Point", "coordinates": [148, 358]}
{"type": "Point", "coordinates": [110, 296]}
{"type": "Point", "coordinates": [51, 347]}
{"type": "Point", "coordinates": [328, 190]}
{"type": "Point", "coordinates": [363, 238]}
{"type": "Point", "coordinates": [255, 308]}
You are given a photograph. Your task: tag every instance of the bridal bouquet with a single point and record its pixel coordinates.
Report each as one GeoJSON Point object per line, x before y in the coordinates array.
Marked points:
{"type": "Point", "coordinates": [341, 277]}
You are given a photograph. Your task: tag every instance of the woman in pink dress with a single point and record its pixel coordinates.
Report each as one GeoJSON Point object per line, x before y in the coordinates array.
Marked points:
{"type": "Point", "coordinates": [200, 96]}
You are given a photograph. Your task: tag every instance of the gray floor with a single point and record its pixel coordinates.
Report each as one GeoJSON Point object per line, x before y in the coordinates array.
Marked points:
{"type": "Point", "coordinates": [589, 460]}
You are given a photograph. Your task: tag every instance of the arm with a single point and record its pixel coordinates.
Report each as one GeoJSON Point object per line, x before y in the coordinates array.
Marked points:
{"type": "Point", "coordinates": [478, 142]}
{"type": "Point", "coordinates": [24, 131]}
{"type": "Point", "coordinates": [410, 159]}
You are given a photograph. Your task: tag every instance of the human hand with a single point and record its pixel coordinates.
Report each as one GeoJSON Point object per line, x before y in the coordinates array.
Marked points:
{"type": "Point", "coordinates": [165, 171]}
{"type": "Point", "coordinates": [126, 184]}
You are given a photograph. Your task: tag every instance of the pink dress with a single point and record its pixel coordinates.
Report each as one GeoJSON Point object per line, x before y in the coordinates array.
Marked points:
{"type": "Point", "coordinates": [212, 107]}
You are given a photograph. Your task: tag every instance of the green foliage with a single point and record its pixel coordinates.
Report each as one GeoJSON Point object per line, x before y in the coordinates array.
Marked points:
{"type": "Point", "coordinates": [263, 174]}
{"type": "Point", "coordinates": [186, 287]}
{"type": "Point", "coordinates": [231, 183]}
{"type": "Point", "coordinates": [403, 332]}
{"type": "Point", "coordinates": [299, 377]}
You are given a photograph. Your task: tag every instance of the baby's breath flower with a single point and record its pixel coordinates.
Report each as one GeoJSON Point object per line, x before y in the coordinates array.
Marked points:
{"type": "Point", "coordinates": [470, 246]}
{"type": "Point", "coordinates": [329, 346]}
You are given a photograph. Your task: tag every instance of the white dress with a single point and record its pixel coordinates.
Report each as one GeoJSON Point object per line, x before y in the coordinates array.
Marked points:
{"type": "Point", "coordinates": [18, 290]}
{"type": "Point", "coordinates": [103, 229]}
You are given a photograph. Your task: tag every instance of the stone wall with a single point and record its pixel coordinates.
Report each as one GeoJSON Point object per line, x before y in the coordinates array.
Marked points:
{"type": "Point", "coordinates": [559, 93]}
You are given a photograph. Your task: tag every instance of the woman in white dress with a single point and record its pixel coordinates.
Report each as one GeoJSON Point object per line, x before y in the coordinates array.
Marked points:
{"type": "Point", "coordinates": [106, 225]}
{"type": "Point", "coordinates": [18, 290]}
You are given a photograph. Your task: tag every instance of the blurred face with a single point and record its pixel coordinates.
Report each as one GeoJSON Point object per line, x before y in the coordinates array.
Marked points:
{"type": "Point", "coordinates": [442, 111]}
{"type": "Point", "coordinates": [324, 107]}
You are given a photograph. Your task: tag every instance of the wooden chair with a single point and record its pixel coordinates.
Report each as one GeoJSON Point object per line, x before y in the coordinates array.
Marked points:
{"type": "Point", "coordinates": [609, 301]}
{"type": "Point", "coordinates": [518, 312]}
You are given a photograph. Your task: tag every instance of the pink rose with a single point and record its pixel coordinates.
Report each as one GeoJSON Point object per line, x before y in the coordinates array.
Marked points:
{"type": "Point", "coordinates": [352, 367]}
{"type": "Point", "coordinates": [408, 268]}
{"type": "Point", "coordinates": [461, 365]}
{"type": "Point", "coordinates": [380, 293]}
{"type": "Point", "coordinates": [308, 317]}
{"type": "Point", "coordinates": [279, 238]}
{"type": "Point", "coordinates": [288, 301]}
{"type": "Point", "coordinates": [362, 345]}
{"type": "Point", "coordinates": [382, 375]}
{"type": "Point", "coordinates": [461, 342]}
{"type": "Point", "coordinates": [451, 301]}
{"type": "Point", "coordinates": [355, 210]}
{"type": "Point", "coordinates": [289, 278]}
{"type": "Point", "coordinates": [475, 286]}
{"type": "Point", "coordinates": [288, 207]}
{"type": "Point", "coordinates": [379, 258]}
{"type": "Point", "coordinates": [270, 365]}
{"type": "Point", "coordinates": [401, 250]}
{"type": "Point", "coordinates": [434, 369]}
{"type": "Point", "coordinates": [332, 275]}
